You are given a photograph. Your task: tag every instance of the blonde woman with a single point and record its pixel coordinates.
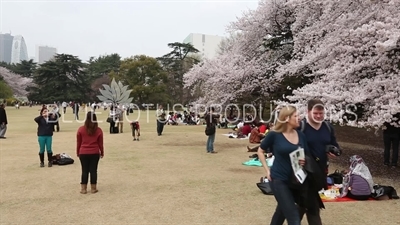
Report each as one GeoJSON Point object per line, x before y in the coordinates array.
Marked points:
{"type": "Point", "coordinates": [283, 140]}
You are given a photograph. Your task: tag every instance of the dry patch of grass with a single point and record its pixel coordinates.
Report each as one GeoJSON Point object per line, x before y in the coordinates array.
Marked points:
{"type": "Point", "coordinates": [159, 180]}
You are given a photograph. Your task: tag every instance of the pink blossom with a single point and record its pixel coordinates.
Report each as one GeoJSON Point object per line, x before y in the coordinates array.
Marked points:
{"type": "Point", "coordinates": [17, 83]}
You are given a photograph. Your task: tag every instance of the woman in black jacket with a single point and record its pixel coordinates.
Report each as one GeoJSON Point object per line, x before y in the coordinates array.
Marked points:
{"type": "Point", "coordinates": [45, 135]}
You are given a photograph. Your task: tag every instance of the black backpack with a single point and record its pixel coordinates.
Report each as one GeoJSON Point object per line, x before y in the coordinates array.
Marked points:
{"type": "Point", "coordinates": [337, 177]}
{"type": "Point", "coordinates": [65, 161]}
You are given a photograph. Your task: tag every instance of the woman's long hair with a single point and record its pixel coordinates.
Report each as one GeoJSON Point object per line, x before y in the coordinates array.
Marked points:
{"type": "Point", "coordinates": [91, 123]}
{"type": "Point", "coordinates": [284, 115]}
{"type": "Point", "coordinates": [41, 111]}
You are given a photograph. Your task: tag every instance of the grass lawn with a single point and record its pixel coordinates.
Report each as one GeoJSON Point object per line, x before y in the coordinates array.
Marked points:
{"type": "Point", "coordinates": [168, 179]}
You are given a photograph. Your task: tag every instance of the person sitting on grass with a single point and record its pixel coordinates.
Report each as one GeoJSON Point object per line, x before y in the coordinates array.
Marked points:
{"type": "Point", "coordinates": [262, 127]}
{"type": "Point", "coordinates": [223, 123]}
{"type": "Point", "coordinates": [171, 119]}
{"type": "Point", "coordinates": [357, 183]}
{"type": "Point", "coordinates": [255, 137]}
{"type": "Point", "coordinates": [135, 130]}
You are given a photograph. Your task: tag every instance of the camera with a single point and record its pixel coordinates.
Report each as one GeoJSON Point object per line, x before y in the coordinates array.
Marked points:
{"type": "Point", "coordinates": [333, 149]}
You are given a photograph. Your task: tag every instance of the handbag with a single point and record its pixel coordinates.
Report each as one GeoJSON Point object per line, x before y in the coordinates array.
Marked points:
{"type": "Point", "coordinates": [265, 187]}
{"type": "Point", "coordinates": [109, 120]}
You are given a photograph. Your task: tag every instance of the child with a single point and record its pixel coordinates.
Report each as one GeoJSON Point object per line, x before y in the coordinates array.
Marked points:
{"type": "Point", "coordinates": [135, 130]}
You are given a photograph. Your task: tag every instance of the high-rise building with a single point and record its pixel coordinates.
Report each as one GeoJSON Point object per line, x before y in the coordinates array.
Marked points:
{"type": "Point", "coordinates": [19, 50]}
{"type": "Point", "coordinates": [208, 45]}
{"type": "Point", "coordinates": [6, 43]}
{"type": "Point", "coordinates": [45, 53]}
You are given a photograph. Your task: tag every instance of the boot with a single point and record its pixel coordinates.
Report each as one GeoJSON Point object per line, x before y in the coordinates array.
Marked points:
{"type": "Point", "coordinates": [41, 157]}
{"type": "Point", "coordinates": [93, 188]}
{"type": "Point", "coordinates": [50, 158]}
{"type": "Point", "coordinates": [83, 188]}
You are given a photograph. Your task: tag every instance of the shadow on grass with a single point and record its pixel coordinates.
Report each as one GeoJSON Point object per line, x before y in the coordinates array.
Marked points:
{"type": "Point", "coordinates": [357, 141]}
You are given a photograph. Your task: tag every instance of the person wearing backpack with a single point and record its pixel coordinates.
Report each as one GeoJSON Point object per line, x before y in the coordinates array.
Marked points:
{"type": "Point", "coordinates": [319, 134]}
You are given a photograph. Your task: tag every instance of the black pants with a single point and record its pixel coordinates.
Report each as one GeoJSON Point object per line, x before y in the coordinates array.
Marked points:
{"type": "Point", "coordinates": [56, 126]}
{"type": "Point", "coordinates": [391, 140]}
{"type": "Point", "coordinates": [89, 165]}
{"type": "Point", "coordinates": [112, 125]}
{"type": "Point", "coordinates": [358, 197]}
{"type": "Point", "coordinates": [160, 127]}
{"type": "Point", "coordinates": [312, 218]}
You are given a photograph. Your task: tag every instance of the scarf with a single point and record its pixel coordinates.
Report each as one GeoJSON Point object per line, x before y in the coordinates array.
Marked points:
{"type": "Point", "coordinates": [357, 167]}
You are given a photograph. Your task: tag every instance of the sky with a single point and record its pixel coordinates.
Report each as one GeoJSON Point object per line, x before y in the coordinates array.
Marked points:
{"type": "Point", "coordinates": [88, 28]}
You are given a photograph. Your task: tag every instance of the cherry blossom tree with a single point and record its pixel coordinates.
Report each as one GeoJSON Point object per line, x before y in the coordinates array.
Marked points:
{"type": "Point", "coordinates": [244, 69]}
{"type": "Point", "coordinates": [345, 52]}
{"type": "Point", "coordinates": [17, 83]}
{"type": "Point", "coordinates": [352, 50]}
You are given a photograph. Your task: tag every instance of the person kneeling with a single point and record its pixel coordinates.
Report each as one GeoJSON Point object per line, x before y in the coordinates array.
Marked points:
{"type": "Point", "coordinates": [357, 183]}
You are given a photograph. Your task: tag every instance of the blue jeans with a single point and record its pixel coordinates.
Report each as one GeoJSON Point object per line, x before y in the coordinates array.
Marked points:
{"type": "Point", "coordinates": [210, 143]}
{"type": "Point", "coordinates": [286, 207]}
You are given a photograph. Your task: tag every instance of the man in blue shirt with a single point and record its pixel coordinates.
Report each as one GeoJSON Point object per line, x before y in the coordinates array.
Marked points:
{"type": "Point", "coordinates": [319, 133]}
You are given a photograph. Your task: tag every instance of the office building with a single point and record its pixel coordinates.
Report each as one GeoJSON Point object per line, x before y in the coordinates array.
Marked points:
{"type": "Point", "coordinates": [19, 50]}
{"type": "Point", "coordinates": [208, 45]}
{"type": "Point", "coordinates": [6, 43]}
{"type": "Point", "coordinates": [45, 53]}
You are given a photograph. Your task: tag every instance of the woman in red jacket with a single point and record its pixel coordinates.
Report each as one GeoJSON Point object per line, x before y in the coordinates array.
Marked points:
{"type": "Point", "coordinates": [89, 149]}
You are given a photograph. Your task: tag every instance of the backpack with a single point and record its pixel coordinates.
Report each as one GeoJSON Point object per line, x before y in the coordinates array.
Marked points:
{"type": "Point", "coordinates": [337, 177]}
{"type": "Point", "coordinates": [135, 125]}
{"type": "Point", "coordinates": [380, 191]}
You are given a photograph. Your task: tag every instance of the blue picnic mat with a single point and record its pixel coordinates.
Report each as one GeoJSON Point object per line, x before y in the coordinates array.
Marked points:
{"type": "Point", "coordinates": [256, 162]}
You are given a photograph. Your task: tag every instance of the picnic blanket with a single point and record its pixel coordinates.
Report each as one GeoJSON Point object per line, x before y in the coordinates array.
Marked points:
{"type": "Point", "coordinates": [344, 199]}
{"type": "Point", "coordinates": [256, 162]}
{"type": "Point", "coordinates": [235, 136]}
{"type": "Point", "coordinates": [333, 193]}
